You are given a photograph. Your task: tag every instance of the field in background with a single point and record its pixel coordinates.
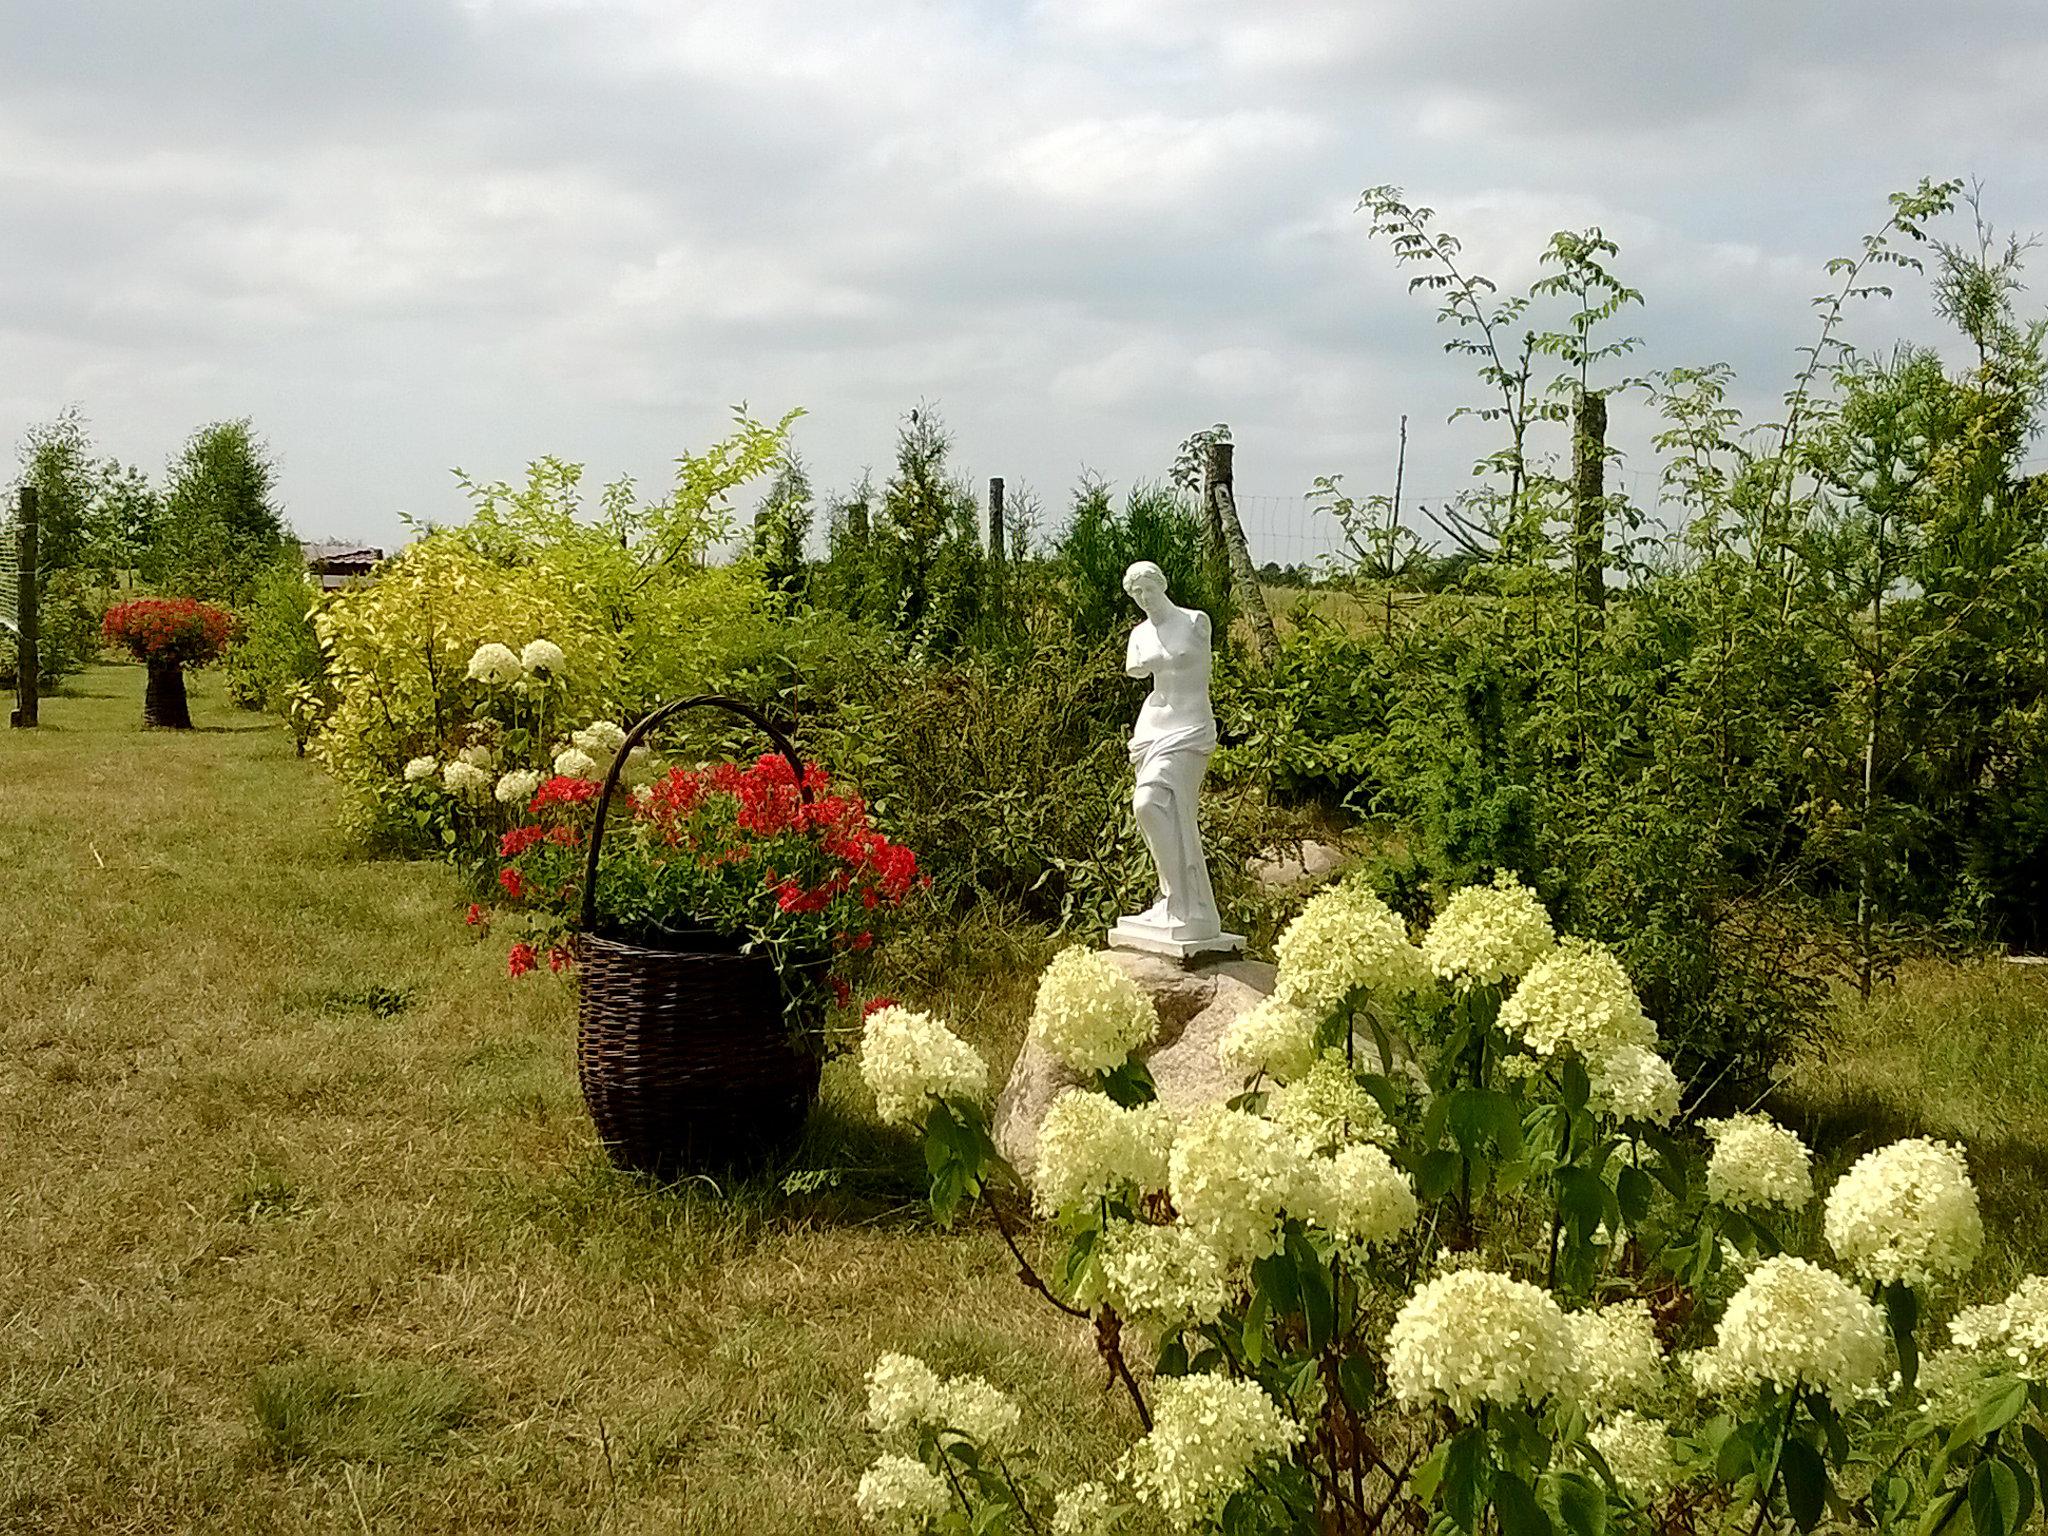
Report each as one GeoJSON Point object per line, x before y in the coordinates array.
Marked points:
{"type": "Point", "coordinates": [304, 1229]}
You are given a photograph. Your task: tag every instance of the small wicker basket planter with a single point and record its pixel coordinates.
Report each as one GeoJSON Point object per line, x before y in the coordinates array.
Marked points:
{"type": "Point", "coordinates": [686, 1054]}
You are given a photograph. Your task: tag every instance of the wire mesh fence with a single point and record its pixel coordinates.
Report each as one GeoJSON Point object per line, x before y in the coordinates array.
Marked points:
{"type": "Point", "coordinates": [10, 575]}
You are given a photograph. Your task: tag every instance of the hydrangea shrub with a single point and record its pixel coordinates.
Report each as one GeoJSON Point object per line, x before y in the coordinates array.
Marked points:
{"type": "Point", "coordinates": [1452, 1261]}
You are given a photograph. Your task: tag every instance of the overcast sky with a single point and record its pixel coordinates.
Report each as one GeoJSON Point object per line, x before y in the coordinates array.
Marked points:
{"type": "Point", "coordinates": [407, 235]}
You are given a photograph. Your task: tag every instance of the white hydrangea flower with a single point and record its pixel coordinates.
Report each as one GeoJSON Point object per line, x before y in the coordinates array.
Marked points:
{"type": "Point", "coordinates": [900, 1493]}
{"type": "Point", "coordinates": [479, 756]}
{"type": "Point", "coordinates": [517, 787]}
{"type": "Point", "coordinates": [1086, 1509]}
{"type": "Point", "coordinates": [1343, 941]}
{"type": "Point", "coordinates": [1638, 1452]}
{"type": "Point", "coordinates": [1233, 1178]}
{"type": "Point", "coordinates": [1327, 1109]}
{"type": "Point", "coordinates": [1634, 1084]}
{"type": "Point", "coordinates": [909, 1058]}
{"type": "Point", "coordinates": [1906, 1213]}
{"type": "Point", "coordinates": [1488, 933]}
{"type": "Point", "coordinates": [1616, 1359]}
{"type": "Point", "coordinates": [1209, 1433]}
{"type": "Point", "coordinates": [977, 1408]}
{"type": "Point", "coordinates": [542, 659]}
{"type": "Point", "coordinates": [1577, 998]}
{"type": "Point", "coordinates": [1090, 1147]}
{"type": "Point", "coordinates": [1795, 1324]}
{"type": "Point", "coordinates": [2015, 1330]}
{"type": "Point", "coordinates": [1951, 1381]}
{"type": "Point", "coordinates": [494, 663]}
{"type": "Point", "coordinates": [1359, 1195]}
{"type": "Point", "coordinates": [1757, 1162]}
{"type": "Point", "coordinates": [1474, 1336]}
{"type": "Point", "coordinates": [601, 739]}
{"type": "Point", "coordinates": [1159, 1277]}
{"type": "Point", "coordinates": [575, 763]}
{"type": "Point", "coordinates": [1273, 1037]}
{"type": "Point", "coordinates": [1089, 1014]}
{"type": "Point", "coordinates": [903, 1392]}
{"type": "Point", "coordinates": [420, 769]}
{"type": "Point", "coordinates": [465, 779]}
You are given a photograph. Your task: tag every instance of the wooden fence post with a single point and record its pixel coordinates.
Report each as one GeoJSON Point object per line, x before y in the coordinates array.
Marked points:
{"type": "Point", "coordinates": [27, 647]}
{"type": "Point", "coordinates": [1220, 494]}
{"type": "Point", "coordinates": [995, 518]}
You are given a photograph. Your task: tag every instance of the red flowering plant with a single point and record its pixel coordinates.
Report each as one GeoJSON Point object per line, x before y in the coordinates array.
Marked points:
{"type": "Point", "coordinates": [169, 634]}
{"type": "Point", "coordinates": [720, 854]}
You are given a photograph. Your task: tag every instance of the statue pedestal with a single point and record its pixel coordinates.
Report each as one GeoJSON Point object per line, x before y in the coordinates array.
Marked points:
{"type": "Point", "coordinates": [1174, 941]}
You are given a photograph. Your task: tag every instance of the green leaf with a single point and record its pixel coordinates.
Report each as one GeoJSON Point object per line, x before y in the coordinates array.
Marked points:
{"type": "Point", "coordinates": [1581, 1504]}
{"type": "Point", "coordinates": [1464, 1478]}
{"type": "Point", "coordinates": [1514, 1503]}
{"type": "Point", "coordinates": [1902, 1312]}
{"type": "Point", "coordinates": [2037, 1451]}
{"type": "Point", "coordinates": [2022, 1475]}
{"type": "Point", "coordinates": [1356, 1381]}
{"type": "Point", "coordinates": [1736, 1456]}
{"type": "Point", "coordinates": [1436, 1175]}
{"type": "Point", "coordinates": [1634, 1188]}
{"type": "Point", "coordinates": [1994, 1499]}
{"type": "Point", "coordinates": [1806, 1483]}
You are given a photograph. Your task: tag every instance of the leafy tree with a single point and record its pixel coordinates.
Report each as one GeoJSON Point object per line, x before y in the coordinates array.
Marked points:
{"type": "Point", "coordinates": [782, 526]}
{"type": "Point", "coordinates": [221, 524]}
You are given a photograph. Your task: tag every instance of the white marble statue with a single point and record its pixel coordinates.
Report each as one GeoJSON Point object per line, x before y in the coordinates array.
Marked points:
{"type": "Point", "coordinates": [1170, 747]}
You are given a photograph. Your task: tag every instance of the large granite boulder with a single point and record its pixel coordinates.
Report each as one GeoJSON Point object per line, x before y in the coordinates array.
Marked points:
{"type": "Point", "coordinates": [1195, 1005]}
{"type": "Point", "coordinates": [1306, 862]}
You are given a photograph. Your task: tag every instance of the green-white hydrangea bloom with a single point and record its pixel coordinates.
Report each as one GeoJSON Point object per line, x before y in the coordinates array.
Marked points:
{"type": "Point", "coordinates": [575, 763]}
{"type": "Point", "coordinates": [1327, 1109]}
{"type": "Point", "coordinates": [901, 1494]}
{"type": "Point", "coordinates": [1951, 1382]}
{"type": "Point", "coordinates": [466, 780]}
{"type": "Point", "coordinates": [905, 1395]}
{"type": "Point", "coordinates": [1090, 1147]}
{"type": "Point", "coordinates": [517, 787]}
{"type": "Point", "coordinates": [494, 663]}
{"type": "Point", "coordinates": [1577, 999]}
{"type": "Point", "coordinates": [1757, 1163]}
{"type": "Point", "coordinates": [1344, 941]}
{"type": "Point", "coordinates": [1473, 1336]}
{"type": "Point", "coordinates": [1638, 1452]}
{"type": "Point", "coordinates": [1616, 1359]}
{"type": "Point", "coordinates": [1273, 1037]}
{"type": "Point", "coordinates": [1906, 1213]}
{"type": "Point", "coordinates": [1795, 1324]}
{"type": "Point", "coordinates": [1088, 1013]}
{"type": "Point", "coordinates": [2013, 1331]}
{"type": "Point", "coordinates": [1086, 1509]}
{"type": "Point", "coordinates": [1233, 1178]}
{"type": "Point", "coordinates": [1488, 934]}
{"type": "Point", "coordinates": [1359, 1195]}
{"type": "Point", "coordinates": [601, 739]}
{"type": "Point", "coordinates": [908, 1059]}
{"type": "Point", "coordinates": [420, 769]}
{"type": "Point", "coordinates": [1634, 1084]}
{"type": "Point", "coordinates": [542, 659]}
{"type": "Point", "coordinates": [1161, 1277]}
{"type": "Point", "coordinates": [1209, 1433]}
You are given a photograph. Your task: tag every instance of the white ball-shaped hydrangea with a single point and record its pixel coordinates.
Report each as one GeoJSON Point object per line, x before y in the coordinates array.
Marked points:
{"type": "Point", "coordinates": [1795, 1324]}
{"type": "Point", "coordinates": [1327, 1109]}
{"type": "Point", "coordinates": [466, 780]}
{"type": "Point", "coordinates": [1086, 1509]}
{"type": "Point", "coordinates": [1577, 999]}
{"type": "Point", "coordinates": [1209, 1433]}
{"type": "Point", "coordinates": [1090, 1147]}
{"type": "Point", "coordinates": [1088, 1013]}
{"type": "Point", "coordinates": [1906, 1213]}
{"type": "Point", "coordinates": [903, 1392]}
{"type": "Point", "coordinates": [1487, 934]}
{"type": "Point", "coordinates": [901, 1494]}
{"type": "Point", "coordinates": [1359, 1195]}
{"type": "Point", "coordinates": [909, 1059]}
{"type": "Point", "coordinates": [601, 739]}
{"type": "Point", "coordinates": [420, 769]}
{"type": "Point", "coordinates": [494, 663]}
{"type": "Point", "coordinates": [1161, 1277]}
{"type": "Point", "coordinates": [1473, 1336]}
{"type": "Point", "coordinates": [1272, 1037]}
{"type": "Point", "coordinates": [1344, 941]}
{"type": "Point", "coordinates": [1234, 1178]}
{"type": "Point", "coordinates": [575, 763]}
{"type": "Point", "coordinates": [1634, 1083]}
{"type": "Point", "coordinates": [542, 659]}
{"type": "Point", "coordinates": [1756, 1163]}
{"type": "Point", "coordinates": [1638, 1452]}
{"type": "Point", "coordinates": [2014, 1331]}
{"type": "Point", "coordinates": [478, 755]}
{"type": "Point", "coordinates": [517, 787]}
{"type": "Point", "coordinates": [1616, 1359]}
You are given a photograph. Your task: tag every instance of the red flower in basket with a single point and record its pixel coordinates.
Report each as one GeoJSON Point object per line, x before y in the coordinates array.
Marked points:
{"type": "Point", "coordinates": [167, 635]}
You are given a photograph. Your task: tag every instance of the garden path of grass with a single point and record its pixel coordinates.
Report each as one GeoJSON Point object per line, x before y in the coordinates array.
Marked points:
{"type": "Point", "coordinates": [302, 1227]}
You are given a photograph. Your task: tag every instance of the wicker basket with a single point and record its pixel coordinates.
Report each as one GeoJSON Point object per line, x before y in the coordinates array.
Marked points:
{"type": "Point", "coordinates": [686, 1055]}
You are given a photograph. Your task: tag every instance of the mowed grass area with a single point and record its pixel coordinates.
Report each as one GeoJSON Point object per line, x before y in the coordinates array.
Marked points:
{"type": "Point", "coordinates": [303, 1228]}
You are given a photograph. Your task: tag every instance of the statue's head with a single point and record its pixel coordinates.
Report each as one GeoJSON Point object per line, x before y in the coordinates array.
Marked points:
{"type": "Point", "coordinates": [1145, 583]}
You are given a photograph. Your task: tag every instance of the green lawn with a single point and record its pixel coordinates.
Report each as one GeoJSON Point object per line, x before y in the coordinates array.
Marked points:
{"type": "Point", "coordinates": [302, 1227]}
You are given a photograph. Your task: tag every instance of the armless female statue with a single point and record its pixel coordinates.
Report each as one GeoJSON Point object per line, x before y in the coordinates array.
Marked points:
{"type": "Point", "coordinates": [1170, 747]}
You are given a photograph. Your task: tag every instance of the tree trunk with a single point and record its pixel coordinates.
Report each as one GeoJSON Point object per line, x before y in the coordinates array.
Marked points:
{"type": "Point", "coordinates": [1221, 495]}
{"type": "Point", "coordinates": [1589, 499]}
{"type": "Point", "coordinates": [163, 702]}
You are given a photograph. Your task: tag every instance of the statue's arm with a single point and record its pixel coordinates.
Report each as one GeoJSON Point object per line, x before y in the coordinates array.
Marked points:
{"type": "Point", "coordinates": [1133, 665]}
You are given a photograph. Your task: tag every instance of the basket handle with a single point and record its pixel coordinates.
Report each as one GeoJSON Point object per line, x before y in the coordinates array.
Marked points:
{"type": "Point", "coordinates": [733, 706]}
